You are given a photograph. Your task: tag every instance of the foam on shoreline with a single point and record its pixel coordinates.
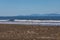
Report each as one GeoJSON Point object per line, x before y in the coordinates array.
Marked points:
{"type": "Point", "coordinates": [33, 22]}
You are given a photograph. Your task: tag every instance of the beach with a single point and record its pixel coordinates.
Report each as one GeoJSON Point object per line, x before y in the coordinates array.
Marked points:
{"type": "Point", "coordinates": [29, 32]}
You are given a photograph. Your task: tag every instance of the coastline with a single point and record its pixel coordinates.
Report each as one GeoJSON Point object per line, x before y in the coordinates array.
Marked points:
{"type": "Point", "coordinates": [33, 22]}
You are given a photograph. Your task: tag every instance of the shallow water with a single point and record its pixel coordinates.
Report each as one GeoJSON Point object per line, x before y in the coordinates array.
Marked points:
{"type": "Point", "coordinates": [34, 22]}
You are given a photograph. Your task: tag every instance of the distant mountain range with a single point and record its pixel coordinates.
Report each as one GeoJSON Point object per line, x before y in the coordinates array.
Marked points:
{"type": "Point", "coordinates": [51, 16]}
{"type": "Point", "coordinates": [47, 14]}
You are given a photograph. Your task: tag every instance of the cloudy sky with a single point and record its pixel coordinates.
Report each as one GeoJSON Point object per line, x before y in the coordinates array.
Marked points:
{"type": "Point", "coordinates": [27, 7]}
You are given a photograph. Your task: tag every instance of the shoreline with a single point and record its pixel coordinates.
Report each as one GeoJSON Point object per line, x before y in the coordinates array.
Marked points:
{"type": "Point", "coordinates": [34, 22]}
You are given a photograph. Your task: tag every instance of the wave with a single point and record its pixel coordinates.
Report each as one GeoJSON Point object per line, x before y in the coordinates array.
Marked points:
{"type": "Point", "coordinates": [33, 22]}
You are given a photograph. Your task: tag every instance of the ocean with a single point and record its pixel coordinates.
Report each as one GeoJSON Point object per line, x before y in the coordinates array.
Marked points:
{"type": "Point", "coordinates": [33, 22]}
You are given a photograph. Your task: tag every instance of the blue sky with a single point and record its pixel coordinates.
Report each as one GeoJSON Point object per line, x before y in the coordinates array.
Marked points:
{"type": "Point", "coordinates": [27, 7]}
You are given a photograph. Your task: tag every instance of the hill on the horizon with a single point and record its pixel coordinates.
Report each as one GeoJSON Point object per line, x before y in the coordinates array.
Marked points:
{"type": "Point", "coordinates": [51, 16]}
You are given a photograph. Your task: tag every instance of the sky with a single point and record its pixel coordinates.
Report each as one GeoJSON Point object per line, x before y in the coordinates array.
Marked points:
{"type": "Point", "coordinates": [27, 7]}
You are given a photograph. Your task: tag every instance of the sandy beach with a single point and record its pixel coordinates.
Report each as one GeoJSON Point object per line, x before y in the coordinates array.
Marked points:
{"type": "Point", "coordinates": [29, 32]}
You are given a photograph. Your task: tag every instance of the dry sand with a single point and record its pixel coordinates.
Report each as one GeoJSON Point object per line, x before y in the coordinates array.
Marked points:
{"type": "Point", "coordinates": [29, 32]}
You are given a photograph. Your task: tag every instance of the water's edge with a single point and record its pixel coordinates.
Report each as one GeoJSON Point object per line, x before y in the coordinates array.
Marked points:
{"type": "Point", "coordinates": [33, 22]}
